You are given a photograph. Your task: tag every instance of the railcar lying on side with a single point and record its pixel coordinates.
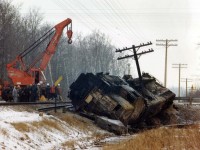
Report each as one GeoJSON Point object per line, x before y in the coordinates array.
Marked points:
{"type": "Point", "coordinates": [118, 98]}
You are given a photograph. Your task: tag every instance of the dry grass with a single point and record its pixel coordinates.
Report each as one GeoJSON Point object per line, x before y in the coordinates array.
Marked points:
{"type": "Point", "coordinates": [32, 126]}
{"type": "Point", "coordinates": [22, 127]}
{"type": "Point", "coordinates": [162, 138]}
{"type": "Point", "coordinates": [99, 136]}
{"type": "Point", "coordinates": [3, 132]}
{"type": "Point", "coordinates": [69, 144]}
{"type": "Point", "coordinates": [20, 108]}
{"type": "Point", "coordinates": [26, 137]}
{"type": "Point", "coordinates": [76, 121]}
{"type": "Point", "coordinates": [46, 123]}
{"type": "Point", "coordinates": [84, 125]}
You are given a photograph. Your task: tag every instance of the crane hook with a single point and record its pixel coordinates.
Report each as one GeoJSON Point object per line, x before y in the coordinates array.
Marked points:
{"type": "Point", "coordinates": [69, 35]}
{"type": "Point", "coordinates": [69, 41]}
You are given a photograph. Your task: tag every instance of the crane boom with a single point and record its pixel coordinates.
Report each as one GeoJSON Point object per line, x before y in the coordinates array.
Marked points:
{"type": "Point", "coordinates": [50, 50]}
{"type": "Point", "coordinates": [17, 70]}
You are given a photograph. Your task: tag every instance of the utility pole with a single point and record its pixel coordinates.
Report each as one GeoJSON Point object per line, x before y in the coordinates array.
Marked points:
{"type": "Point", "coordinates": [191, 93]}
{"type": "Point", "coordinates": [167, 44]}
{"type": "Point", "coordinates": [129, 68]}
{"type": "Point", "coordinates": [186, 85]}
{"type": "Point", "coordinates": [136, 55]}
{"type": "Point", "coordinates": [179, 66]}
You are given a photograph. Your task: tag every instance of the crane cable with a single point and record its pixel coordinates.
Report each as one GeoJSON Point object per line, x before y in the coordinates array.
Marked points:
{"type": "Point", "coordinates": [36, 43]}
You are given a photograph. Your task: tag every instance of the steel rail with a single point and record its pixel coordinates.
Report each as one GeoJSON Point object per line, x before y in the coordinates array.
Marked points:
{"type": "Point", "coordinates": [55, 107]}
{"type": "Point", "coordinates": [31, 103]}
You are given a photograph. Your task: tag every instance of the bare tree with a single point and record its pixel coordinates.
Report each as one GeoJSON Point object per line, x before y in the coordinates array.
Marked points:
{"type": "Point", "coordinates": [16, 32]}
{"type": "Point", "coordinates": [8, 19]}
{"type": "Point", "coordinates": [93, 53]}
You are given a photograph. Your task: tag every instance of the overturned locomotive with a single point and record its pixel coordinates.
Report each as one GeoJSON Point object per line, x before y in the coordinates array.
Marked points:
{"type": "Point", "coordinates": [118, 98]}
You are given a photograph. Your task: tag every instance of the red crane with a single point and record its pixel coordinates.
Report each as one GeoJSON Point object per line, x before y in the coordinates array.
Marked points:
{"type": "Point", "coordinates": [23, 74]}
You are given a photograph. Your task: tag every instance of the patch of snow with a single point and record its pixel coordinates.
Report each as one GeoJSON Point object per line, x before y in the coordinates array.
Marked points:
{"type": "Point", "coordinates": [117, 139]}
{"type": "Point", "coordinates": [14, 116]}
{"type": "Point", "coordinates": [42, 137]}
{"type": "Point", "coordinates": [117, 122]}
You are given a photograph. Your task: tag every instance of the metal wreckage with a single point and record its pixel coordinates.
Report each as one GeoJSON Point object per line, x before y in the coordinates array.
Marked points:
{"type": "Point", "coordinates": [131, 102]}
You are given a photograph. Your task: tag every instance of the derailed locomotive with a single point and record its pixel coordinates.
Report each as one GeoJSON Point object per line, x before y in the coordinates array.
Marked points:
{"type": "Point", "coordinates": [118, 98]}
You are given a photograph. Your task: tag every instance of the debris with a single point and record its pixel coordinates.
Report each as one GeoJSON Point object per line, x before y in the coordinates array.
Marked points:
{"type": "Point", "coordinates": [107, 95]}
{"type": "Point", "coordinates": [111, 125]}
{"type": "Point", "coordinates": [120, 99]}
{"type": "Point", "coordinates": [41, 114]}
{"type": "Point", "coordinates": [158, 97]}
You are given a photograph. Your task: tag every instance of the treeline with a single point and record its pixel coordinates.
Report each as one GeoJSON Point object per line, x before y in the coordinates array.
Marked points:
{"type": "Point", "coordinates": [92, 53]}
{"type": "Point", "coordinates": [16, 32]}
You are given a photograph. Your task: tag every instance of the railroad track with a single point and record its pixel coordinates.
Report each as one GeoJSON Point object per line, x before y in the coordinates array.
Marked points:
{"type": "Point", "coordinates": [50, 105]}
{"type": "Point", "coordinates": [31, 103]}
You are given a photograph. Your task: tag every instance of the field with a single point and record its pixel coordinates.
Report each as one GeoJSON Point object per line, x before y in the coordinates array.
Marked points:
{"type": "Point", "coordinates": [172, 138]}
{"type": "Point", "coordinates": [162, 138]}
{"type": "Point", "coordinates": [24, 128]}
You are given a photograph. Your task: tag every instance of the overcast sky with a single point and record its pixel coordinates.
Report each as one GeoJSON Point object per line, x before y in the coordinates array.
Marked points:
{"type": "Point", "coordinates": [131, 22]}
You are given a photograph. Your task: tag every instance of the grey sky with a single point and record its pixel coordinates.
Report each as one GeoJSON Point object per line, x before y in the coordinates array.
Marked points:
{"type": "Point", "coordinates": [129, 22]}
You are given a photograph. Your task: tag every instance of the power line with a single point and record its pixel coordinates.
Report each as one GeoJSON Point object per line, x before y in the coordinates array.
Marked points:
{"type": "Point", "coordinates": [126, 14]}
{"type": "Point", "coordinates": [110, 5]}
{"type": "Point", "coordinates": [63, 5]}
{"type": "Point", "coordinates": [117, 22]}
{"type": "Point", "coordinates": [79, 16]}
{"type": "Point", "coordinates": [99, 23]}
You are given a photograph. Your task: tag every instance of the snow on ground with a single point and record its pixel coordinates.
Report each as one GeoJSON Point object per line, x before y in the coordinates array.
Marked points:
{"type": "Point", "coordinates": [28, 130]}
{"type": "Point", "coordinates": [116, 122]}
